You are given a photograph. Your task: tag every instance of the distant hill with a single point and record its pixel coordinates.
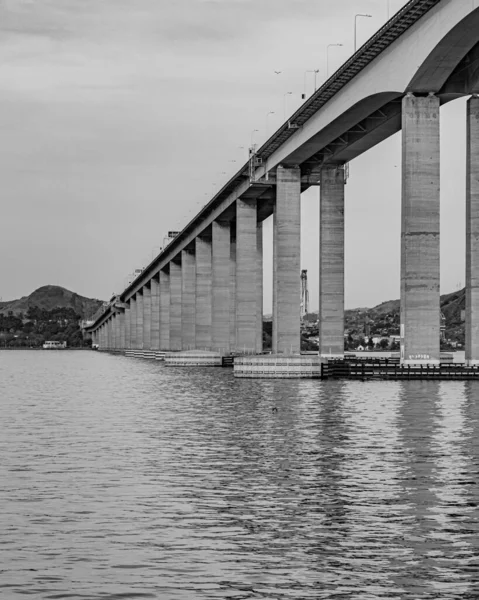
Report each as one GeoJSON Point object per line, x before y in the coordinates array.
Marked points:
{"type": "Point", "coordinates": [49, 297]}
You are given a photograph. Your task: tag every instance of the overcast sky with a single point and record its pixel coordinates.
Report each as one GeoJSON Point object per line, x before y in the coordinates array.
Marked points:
{"type": "Point", "coordinates": [120, 118]}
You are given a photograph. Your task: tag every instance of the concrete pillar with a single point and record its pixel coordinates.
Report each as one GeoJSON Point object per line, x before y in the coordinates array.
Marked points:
{"type": "Point", "coordinates": [221, 267]}
{"type": "Point", "coordinates": [164, 307]}
{"type": "Point", "coordinates": [188, 300]}
{"type": "Point", "coordinates": [287, 261]}
{"type": "Point", "coordinates": [139, 320]}
{"type": "Point", "coordinates": [472, 233]}
{"type": "Point", "coordinates": [127, 326]}
{"type": "Point", "coordinates": [233, 289]}
{"type": "Point", "coordinates": [133, 324]}
{"type": "Point", "coordinates": [114, 331]}
{"type": "Point", "coordinates": [259, 288]}
{"type": "Point", "coordinates": [122, 341]}
{"type": "Point", "coordinates": [203, 318]}
{"type": "Point", "coordinates": [155, 313]}
{"type": "Point", "coordinates": [246, 275]}
{"type": "Point", "coordinates": [109, 334]}
{"type": "Point", "coordinates": [146, 318]}
{"type": "Point", "coordinates": [175, 306]}
{"type": "Point", "coordinates": [331, 262]}
{"type": "Point", "coordinates": [420, 305]}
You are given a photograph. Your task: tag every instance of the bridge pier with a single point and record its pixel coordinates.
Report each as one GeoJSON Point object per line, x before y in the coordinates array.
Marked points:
{"type": "Point", "coordinates": [246, 275]}
{"type": "Point", "coordinates": [203, 317]}
{"type": "Point", "coordinates": [164, 292]}
{"type": "Point", "coordinates": [221, 266]}
{"type": "Point", "coordinates": [420, 303]}
{"type": "Point", "coordinates": [188, 300]}
{"type": "Point", "coordinates": [472, 233]}
{"type": "Point", "coordinates": [175, 306]}
{"type": "Point", "coordinates": [155, 313]}
{"type": "Point", "coordinates": [139, 320]}
{"type": "Point", "coordinates": [331, 262]}
{"type": "Point", "coordinates": [287, 261]}
{"type": "Point", "coordinates": [146, 317]}
{"type": "Point", "coordinates": [127, 326]}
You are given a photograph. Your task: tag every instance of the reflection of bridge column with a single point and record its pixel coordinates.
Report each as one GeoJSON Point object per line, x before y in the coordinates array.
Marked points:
{"type": "Point", "coordinates": [246, 279]}
{"type": "Point", "coordinates": [139, 320]}
{"type": "Point", "coordinates": [127, 326]}
{"type": "Point", "coordinates": [420, 308]}
{"type": "Point", "coordinates": [203, 293]}
{"type": "Point", "coordinates": [259, 289]}
{"type": "Point", "coordinates": [164, 298]}
{"type": "Point", "coordinates": [287, 261]}
{"type": "Point", "coordinates": [155, 313]}
{"type": "Point", "coordinates": [221, 266]}
{"type": "Point", "coordinates": [188, 299]}
{"type": "Point", "coordinates": [175, 305]}
{"type": "Point", "coordinates": [146, 318]}
{"type": "Point", "coordinates": [133, 326]}
{"type": "Point", "coordinates": [472, 233]}
{"type": "Point", "coordinates": [331, 262]}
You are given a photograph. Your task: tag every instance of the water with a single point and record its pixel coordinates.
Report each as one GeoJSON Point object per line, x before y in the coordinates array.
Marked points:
{"type": "Point", "coordinates": [127, 479]}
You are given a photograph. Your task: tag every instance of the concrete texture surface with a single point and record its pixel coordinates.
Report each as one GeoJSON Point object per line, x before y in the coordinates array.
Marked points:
{"type": "Point", "coordinates": [164, 297]}
{"type": "Point", "coordinates": [175, 306]}
{"type": "Point", "coordinates": [155, 313]}
{"type": "Point", "coordinates": [221, 259]}
{"type": "Point", "coordinates": [146, 318]}
{"type": "Point", "coordinates": [139, 321]}
{"type": "Point", "coordinates": [203, 318]}
{"type": "Point", "coordinates": [188, 300]}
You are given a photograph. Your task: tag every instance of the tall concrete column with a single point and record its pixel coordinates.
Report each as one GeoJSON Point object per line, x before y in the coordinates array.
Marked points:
{"type": "Point", "coordinates": [246, 275]}
{"type": "Point", "coordinates": [420, 305]}
{"type": "Point", "coordinates": [139, 320]}
{"type": "Point", "coordinates": [259, 288]}
{"type": "Point", "coordinates": [331, 262]}
{"type": "Point", "coordinates": [133, 324]}
{"type": "Point", "coordinates": [221, 244]}
{"type": "Point", "coordinates": [472, 233]}
{"type": "Point", "coordinates": [109, 334]}
{"type": "Point", "coordinates": [164, 306]}
{"type": "Point", "coordinates": [114, 331]}
{"type": "Point", "coordinates": [122, 339]}
{"type": "Point", "coordinates": [203, 318]}
{"type": "Point", "coordinates": [127, 326]}
{"type": "Point", "coordinates": [155, 313]}
{"type": "Point", "coordinates": [146, 318]}
{"type": "Point", "coordinates": [233, 289]}
{"type": "Point", "coordinates": [175, 306]}
{"type": "Point", "coordinates": [188, 300]}
{"type": "Point", "coordinates": [287, 261]}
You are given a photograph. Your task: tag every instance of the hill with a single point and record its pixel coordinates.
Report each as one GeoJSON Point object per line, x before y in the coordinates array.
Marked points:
{"type": "Point", "coordinates": [49, 297]}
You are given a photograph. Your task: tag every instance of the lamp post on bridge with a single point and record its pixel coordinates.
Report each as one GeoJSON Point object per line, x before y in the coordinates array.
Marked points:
{"type": "Point", "coordinates": [315, 71]}
{"type": "Point", "coordinates": [284, 103]}
{"type": "Point", "coordinates": [356, 28]}
{"type": "Point", "coordinates": [327, 56]}
{"type": "Point", "coordinates": [271, 112]}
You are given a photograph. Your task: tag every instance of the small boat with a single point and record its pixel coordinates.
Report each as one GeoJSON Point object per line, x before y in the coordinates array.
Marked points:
{"type": "Point", "coordinates": [54, 345]}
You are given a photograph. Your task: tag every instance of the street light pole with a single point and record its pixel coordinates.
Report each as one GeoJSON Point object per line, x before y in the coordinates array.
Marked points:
{"type": "Point", "coordinates": [271, 112]}
{"type": "Point", "coordinates": [356, 27]}
{"type": "Point", "coordinates": [284, 103]}
{"type": "Point", "coordinates": [315, 71]}
{"type": "Point", "coordinates": [327, 56]}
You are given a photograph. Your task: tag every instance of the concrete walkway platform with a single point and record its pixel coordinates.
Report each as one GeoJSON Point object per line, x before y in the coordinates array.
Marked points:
{"type": "Point", "coordinates": [193, 358]}
{"type": "Point", "coordinates": [278, 366]}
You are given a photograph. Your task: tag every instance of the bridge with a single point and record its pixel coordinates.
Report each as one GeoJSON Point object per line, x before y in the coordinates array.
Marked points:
{"type": "Point", "coordinates": [205, 291]}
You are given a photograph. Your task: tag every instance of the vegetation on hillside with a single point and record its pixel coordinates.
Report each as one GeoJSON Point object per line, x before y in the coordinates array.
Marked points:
{"type": "Point", "coordinates": [37, 325]}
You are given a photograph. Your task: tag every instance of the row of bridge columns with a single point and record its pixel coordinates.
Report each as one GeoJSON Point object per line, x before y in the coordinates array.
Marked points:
{"type": "Point", "coordinates": [210, 296]}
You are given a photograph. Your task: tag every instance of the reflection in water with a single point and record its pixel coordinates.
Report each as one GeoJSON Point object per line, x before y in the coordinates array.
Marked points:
{"type": "Point", "coordinates": [127, 479]}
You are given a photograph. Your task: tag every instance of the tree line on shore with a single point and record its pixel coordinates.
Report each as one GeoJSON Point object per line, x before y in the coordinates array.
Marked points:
{"type": "Point", "coordinates": [37, 325]}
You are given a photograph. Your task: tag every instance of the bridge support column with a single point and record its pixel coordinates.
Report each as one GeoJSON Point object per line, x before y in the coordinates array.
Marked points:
{"type": "Point", "coordinates": [122, 342]}
{"type": "Point", "coordinates": [203, 318]}
{"type": "Point", "coordinates": [115, 331]}
{"type": "Point", "coordinates": [164, 299]}
{"type": "Point", "coordinates": [146, 318]}
{"type": "Point", "coordinates": [331, 262]}
{"type": "Point", "coordinates": [287, 261]}
{"type": "Point", "coordinates": [155, 314]}
{"type": "Point", "coordinates": [175, 306]}
{"type": "Point", "coordinates": [133, 325]}
{"type": "Point", "coordinates": [420, 273]}
{"type": "Point", "coordinates": [259, 289]}
{"type": "Point", "coordinates": [188, 300]}
{"type": "Point", "coordinates": [246, 275]}
{"type": "Point", "coordinates": [233, 289]}
{"type": "Point", "coordinates": [127, 327]}
{"type": "Point", "coordinates": [109, 333]}
{"type": "Point", "coordinates": [472, 233]}
{"type": "Point", "coordinates": [221, 267]}
{"type": "Point", "coordinates": [139, 320]}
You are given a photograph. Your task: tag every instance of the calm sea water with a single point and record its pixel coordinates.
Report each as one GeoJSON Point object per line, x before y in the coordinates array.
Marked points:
{"type": "Point", "coordinates": [127, 479]}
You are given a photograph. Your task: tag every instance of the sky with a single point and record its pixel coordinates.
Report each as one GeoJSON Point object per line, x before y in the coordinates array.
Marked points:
{"type": "Point", "coordinates": [121, 118]}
